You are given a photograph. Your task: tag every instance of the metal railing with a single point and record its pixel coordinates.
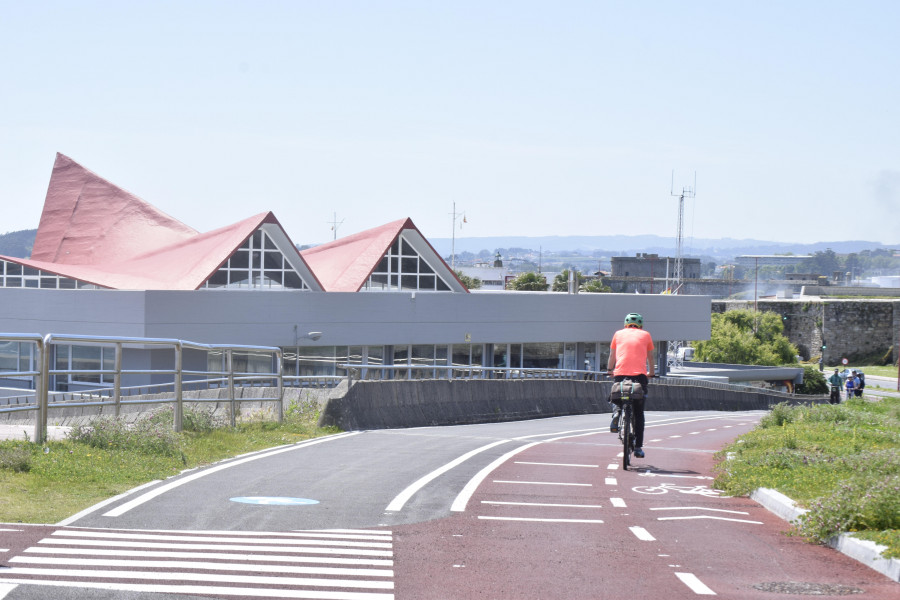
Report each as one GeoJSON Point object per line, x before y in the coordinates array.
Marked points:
{"type": "Point", "coordinates": [226, 378]}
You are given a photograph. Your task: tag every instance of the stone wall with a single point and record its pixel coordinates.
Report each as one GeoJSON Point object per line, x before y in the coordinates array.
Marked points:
{"type": "Point", "coordinates": [853, 329]}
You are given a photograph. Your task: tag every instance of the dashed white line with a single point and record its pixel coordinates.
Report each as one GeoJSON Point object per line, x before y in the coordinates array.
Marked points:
{"type": "Point", "coordinates": [612, 466]}
{"type": "Point", "coordinates": [697, 586]}
{"type": "Point", "coordinates": [734, 512]}
{"type": "Point", "coordinates": [545, 464]}
{"type": "Point", "coordinates": [611, 481]}
{"type": "Point", "coordinates": [617, 502]}
{"type": "Point", "coordinates": [674, 436]}
{"type": "Point", "coordinates": [535, 520]}
{"type": "Point", "coordinates": [501, 503]}
{"type": "Point", "coordinates": [642, 534]}
{"type": "Point", "coordinates": [543, 483]}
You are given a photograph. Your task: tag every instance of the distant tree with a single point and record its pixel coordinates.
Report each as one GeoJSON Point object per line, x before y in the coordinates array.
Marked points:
{"type": "Point", "coordinates": [746, 337]}
{"type": "Point", "coordinates": [529, 282]}
{"type": "Point", "coordinates": [813, 382]}
{"type": "Point", "coordinates": [595, 286]}
{"type": "Point", "coordinates": [822, 262]}
{"type": "Point", "coordinates": [473, 283]}
{"type": "Point", "coordinates": [561, 281]}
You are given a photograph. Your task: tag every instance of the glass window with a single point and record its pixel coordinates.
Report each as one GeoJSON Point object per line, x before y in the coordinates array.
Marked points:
{"type": "Point", "coordinates": [86, 358]}
{"type": "Point", "coordinates": [408, 271]}
{"type": "Point", "coordinates": [9, 356]}
{"type": "Point", "coordinates": [239, 260]}
{"type": "Point", "coordinates": [542, 355]}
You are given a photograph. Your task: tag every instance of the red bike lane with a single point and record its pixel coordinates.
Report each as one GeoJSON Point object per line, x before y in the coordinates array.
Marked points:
{"type": "Point", "coordinates": [562, 520]}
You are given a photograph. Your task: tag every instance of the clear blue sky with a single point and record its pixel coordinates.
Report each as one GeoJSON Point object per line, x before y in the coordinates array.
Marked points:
{"type": "Point", "coordinates": [536, 118]}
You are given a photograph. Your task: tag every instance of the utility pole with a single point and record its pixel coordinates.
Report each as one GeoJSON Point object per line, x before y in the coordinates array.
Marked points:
{"type": "Point", "coordinates": [453, 236]}
{"type": "Point", "coordinates": [334, 225]}
{"type": "Point", "coordinates": [674, 356]}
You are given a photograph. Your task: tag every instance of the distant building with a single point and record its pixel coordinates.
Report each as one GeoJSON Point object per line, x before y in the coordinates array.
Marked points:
{"type": "Point", "coordinates": [751, 261]}
{"type": "Point", "coordinates": [653, 265]}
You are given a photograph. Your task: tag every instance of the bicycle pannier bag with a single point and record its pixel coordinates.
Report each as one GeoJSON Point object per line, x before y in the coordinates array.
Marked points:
{"type": "Point", "coordinates": [631, 388]}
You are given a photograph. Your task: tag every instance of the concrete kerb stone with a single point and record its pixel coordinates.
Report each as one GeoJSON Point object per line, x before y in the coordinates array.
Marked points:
{"type": "Point", "coordinates": [864, 551]}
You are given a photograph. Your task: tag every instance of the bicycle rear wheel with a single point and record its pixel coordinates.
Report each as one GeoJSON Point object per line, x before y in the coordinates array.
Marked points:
{"type": "Point", "coordinates": [627, 436]}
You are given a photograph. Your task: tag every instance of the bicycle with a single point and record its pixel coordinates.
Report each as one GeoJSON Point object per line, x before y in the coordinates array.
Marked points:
{"type": "Point", "coordinates": [626, 419]}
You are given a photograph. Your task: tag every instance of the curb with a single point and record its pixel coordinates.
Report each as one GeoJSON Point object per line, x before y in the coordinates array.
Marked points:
{"type": "Point", "coordinates": [864, 551]}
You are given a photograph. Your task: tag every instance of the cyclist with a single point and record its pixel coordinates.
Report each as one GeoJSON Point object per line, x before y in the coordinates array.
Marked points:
{"type": "Point", "coordinates": [836, 384]}
{"type": "Point", "coordinates": [631, 357]}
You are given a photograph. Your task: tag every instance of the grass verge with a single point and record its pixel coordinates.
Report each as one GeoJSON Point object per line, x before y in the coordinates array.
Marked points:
{"type": "Point", "coordinates": [841, 462]}
{"type": "Point", "coordinates": [46, 484]}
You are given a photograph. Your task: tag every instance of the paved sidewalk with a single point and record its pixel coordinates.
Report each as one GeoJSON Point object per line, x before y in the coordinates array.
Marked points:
{"type": "Point", "coordinates": [19, 431]}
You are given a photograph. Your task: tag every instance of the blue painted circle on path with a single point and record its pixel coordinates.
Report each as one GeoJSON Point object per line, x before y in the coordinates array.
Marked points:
{"type": "Point", "coordinates": [274, 500]}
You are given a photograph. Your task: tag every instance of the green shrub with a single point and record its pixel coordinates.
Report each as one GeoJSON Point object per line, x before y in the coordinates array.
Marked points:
{"type": "Point", "coordinates": [859, 504]}
{"type": "Point", "coordinates": [15, 456]}
{"type": "Point", "coordinates": [149, 434]}
{"type": "Point", "coordinates": [813, 381]}
{"type": "Point", "coordinates": [200, 420]}
{"type": "Point", "coordinates": [302, 411]}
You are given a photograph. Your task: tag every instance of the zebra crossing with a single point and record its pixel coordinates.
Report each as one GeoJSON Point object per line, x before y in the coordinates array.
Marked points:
{"type": "Point", "coordinates": [333, 564]}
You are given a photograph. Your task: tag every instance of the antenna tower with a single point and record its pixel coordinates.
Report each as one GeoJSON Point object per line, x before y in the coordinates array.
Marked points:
{"type": "Point", "coordinates": [334, 225]}
{"type": "Point", "coordinates": [675, 355]}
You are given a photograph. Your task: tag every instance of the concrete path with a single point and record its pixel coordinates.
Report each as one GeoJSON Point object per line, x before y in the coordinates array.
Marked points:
{"type": "Point", "coordinates": [22, 431]}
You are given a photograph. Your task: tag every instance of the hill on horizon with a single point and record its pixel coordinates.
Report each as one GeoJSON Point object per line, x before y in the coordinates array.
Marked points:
{"type": "Point", "coordinates": [627, 245]}
{"type": "Point", "coordinates": [18, 244]}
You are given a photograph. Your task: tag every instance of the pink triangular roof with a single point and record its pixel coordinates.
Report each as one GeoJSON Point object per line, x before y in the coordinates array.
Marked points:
{"type": "Point", "coordinates": [96, 232]}
{"type": "Point", "coordinates": [183, 266]}
{"type": "Point", "coordinates": [89, 221]}
{"type": "Point", "coordinates": [345, 265]}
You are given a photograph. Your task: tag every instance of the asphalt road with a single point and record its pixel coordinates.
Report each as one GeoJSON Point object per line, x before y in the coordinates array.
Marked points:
{"type": "Point", "coordinates": [531, 509]}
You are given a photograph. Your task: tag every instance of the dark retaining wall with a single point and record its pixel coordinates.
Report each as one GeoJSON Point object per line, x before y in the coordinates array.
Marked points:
{"type": "Point", "coordinates": [422, 403]}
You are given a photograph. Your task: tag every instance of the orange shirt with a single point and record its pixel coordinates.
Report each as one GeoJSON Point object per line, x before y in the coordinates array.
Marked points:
{"type": "Point", "coordinates": [632, 347]}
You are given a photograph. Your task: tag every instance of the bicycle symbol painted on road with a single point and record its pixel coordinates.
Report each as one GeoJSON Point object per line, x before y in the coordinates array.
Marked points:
{"type": "Point", "coordinates": [664, 488]}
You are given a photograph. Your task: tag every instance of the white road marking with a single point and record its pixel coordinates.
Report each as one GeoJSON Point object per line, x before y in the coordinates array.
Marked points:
{"type": "Point", "coordinates": [403, 497]}
{"type": "Point", "coordinates": [210, 566]}
{"type": "Point", "coordinates": [617, 502]}
{"type": "Point", "coordinates": [462, 499]}
{"type": "Point", "coordinates": [697, 586]}
{"type": "Point", "coordinates": [522, 462]}
{"type": "Point", "coordinates": [459, 504]}
{"type": "Point", "coordinates": [58, 537]}
{"type": "Point", "coordinates": [649, 474]}
{"type": "Point", "coordinates": [540, 520]}
{"type": "Point", "coordinates": [674, 436]}
{"type": "Point", "coordinates": [204, 577]}
{"type": "Point", "coordinates": [694, 433]}
{"type": "Point", "coordinates": [501, 503]}
{"type": "Point", "coordinates": [734, 512]}
{"type": "Point", "coordinates": [124, 508]}
{"type": "Point", "coordinates": [543, 483]}
{"type": "Point", "coordinates": [611, 481]}
{"type": "Point", "coordinates": [215, 591]}
{"type": "Point", "coordinates": [6, 588]}
{"type": "Point", "coordinates": [326, 560]}
{"type": "Point", "coordinates": [642, 534]}
{"type": "Point", "coordinates": [612, 466]}
{"type": "Point", "coordinates": [711, 517]}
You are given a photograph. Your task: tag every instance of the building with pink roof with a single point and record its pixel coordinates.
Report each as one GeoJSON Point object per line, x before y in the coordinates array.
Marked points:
{"type": "Point", "coordinates": [107, 263]}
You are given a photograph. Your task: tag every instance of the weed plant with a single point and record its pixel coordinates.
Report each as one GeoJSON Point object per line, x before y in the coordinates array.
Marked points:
{"type": "Point", "coordinates": [45, 484]}
{"type": "Point", "coordinates": [841, 462]}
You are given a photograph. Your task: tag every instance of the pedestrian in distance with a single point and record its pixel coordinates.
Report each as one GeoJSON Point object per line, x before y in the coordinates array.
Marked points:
{"type": "Point", "coordinates": [836, 384]}
{"type": "Point", "coordinates": [857, 384]}
{"type": "Point", "coordinates": [850, 385]}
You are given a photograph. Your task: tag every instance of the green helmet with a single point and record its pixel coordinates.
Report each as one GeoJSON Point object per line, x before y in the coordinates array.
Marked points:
{"type": "Point", "coordinates": [634, 319]}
